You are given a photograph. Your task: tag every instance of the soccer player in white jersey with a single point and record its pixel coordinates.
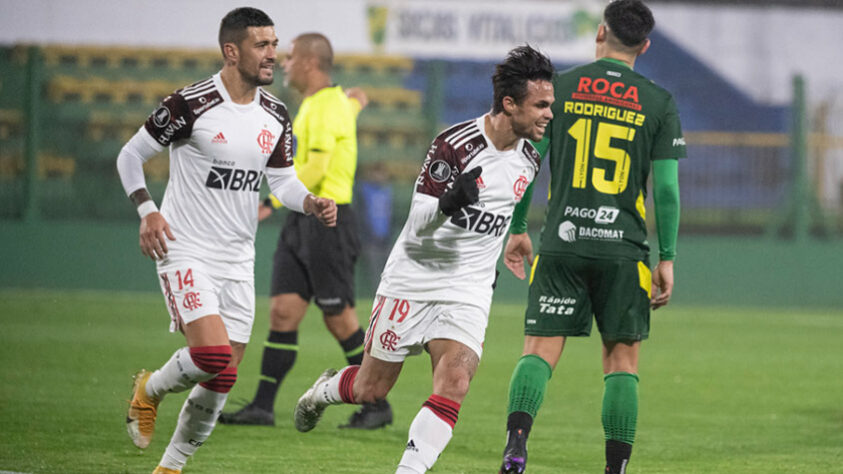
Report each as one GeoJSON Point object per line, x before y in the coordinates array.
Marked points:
{"type": "Point", "coordinates": [436, 288]}
{"type": "Point", "coordinates": [224, 134]}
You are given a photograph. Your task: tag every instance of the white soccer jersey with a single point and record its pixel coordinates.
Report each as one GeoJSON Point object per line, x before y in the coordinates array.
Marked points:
{"type": "Point", "coordinates": [437, 258]}
{"type": "Point", "coordinates": [219, 152]}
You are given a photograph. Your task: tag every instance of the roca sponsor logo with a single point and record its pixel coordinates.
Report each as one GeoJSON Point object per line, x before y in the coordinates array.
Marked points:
{"type": "Point", "coordinates": [234, 179]}
{"type": "Point", "coordinates": [601, 215]}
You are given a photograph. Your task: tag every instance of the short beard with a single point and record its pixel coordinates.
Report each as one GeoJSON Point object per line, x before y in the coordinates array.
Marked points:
{"type": "Point", "coordinates": [255, 79]}
{"type": "Point", "coordinates": [523, 132]}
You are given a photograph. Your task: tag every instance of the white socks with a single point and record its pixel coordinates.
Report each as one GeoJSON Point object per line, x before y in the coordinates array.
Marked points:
{"type": "Point", "coordinates": [339, 388]}
{"type": "Point", "coordinates": [196, 421]}
{"type": "Point", "coordinates": [429, 435]}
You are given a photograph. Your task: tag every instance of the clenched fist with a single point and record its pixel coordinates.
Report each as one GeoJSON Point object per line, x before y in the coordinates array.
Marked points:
{"type": "Point", "coordinates": [324, 209]}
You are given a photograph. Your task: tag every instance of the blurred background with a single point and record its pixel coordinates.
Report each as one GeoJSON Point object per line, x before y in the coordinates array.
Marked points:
{"type": "Point", "coordinates": [757, 84]}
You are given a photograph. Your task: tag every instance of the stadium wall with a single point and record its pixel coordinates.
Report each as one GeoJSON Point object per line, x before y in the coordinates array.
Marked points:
{"type": "Point", "coordinates": [709, 271]}
{"type": "Point", "coordinates": [693, 47]}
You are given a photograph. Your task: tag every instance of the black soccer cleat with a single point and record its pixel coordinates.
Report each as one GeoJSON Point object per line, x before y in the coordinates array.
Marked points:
{"type": "Point", "coordinates": [515, 453]}
{"type": "Point", "coordinates": [248, 415]}
{"type": "Point", "coordinates": [371, 416]}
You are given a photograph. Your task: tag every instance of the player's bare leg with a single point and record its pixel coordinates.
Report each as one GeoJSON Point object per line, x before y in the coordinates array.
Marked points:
{"type": "Point", "coordinates": [619, 356]}
{"type": "Point", "coordinates": [208, 364]}
{"type": "Point", "coordinates": [526, 392]}
{"type": "Point", "coordinates": [620, 401]}
{"type": "Point", "coordinates": [286, 312]}
{"type": "Point", "coordinates": [345, 327]}
{"type": "Point", "coordinates": [342, 324]}
{"type": "Point", "coordinates": [355, 384]}
{"type": "Point", "coordinates": [454, 365]}
{"type": "Point", "coordinates": [375, 379]}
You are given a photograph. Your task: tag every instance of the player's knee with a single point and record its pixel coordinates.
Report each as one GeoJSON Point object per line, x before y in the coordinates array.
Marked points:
{"type": "Point", "coordinates": [453, 385]}
{"type": "Point", "coordinates": [277, 312]}
{"type": "Point", "coordinates": [282, 318]}
{"type": "Point", "coordinates": [211, 359]}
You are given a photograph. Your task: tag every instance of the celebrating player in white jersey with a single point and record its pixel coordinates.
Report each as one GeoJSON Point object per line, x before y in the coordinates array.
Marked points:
{"type": "Point", "coordinates": [436, 289]}
{"type": "Point", "coordinates": [224, 134]}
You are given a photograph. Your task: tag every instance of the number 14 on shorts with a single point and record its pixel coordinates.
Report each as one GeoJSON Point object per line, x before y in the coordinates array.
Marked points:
{"type": "Point", "coordinates": [187, 280]}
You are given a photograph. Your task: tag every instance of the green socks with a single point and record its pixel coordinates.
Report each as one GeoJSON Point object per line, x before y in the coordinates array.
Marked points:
{"type": "Point", "coordinates": [620, 406]}
{"type": "Point", "coordinates": [528, 384]}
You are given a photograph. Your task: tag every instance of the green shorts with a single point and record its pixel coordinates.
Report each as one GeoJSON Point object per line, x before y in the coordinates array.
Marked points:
{"type": "Point", "coordinates": [565, 291]}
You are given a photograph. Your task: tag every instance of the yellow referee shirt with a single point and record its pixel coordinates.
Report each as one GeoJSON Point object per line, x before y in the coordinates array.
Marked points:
{"type": "Point", "coordinates": [326, 143]}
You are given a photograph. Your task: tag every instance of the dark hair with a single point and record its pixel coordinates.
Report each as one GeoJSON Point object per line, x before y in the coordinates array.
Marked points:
{"type": "Point", "coordinates": [522, 64]}
{"type": "Point", "coordinates": [629, 20]}
{"type": "Point", "coordinates": [233, 25]}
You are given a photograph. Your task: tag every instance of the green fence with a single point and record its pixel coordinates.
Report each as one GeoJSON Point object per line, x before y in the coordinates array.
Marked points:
{"type": "Point", "coordinates": [710, 270]}
{"type": "Point", "coordinates": [65, 112]}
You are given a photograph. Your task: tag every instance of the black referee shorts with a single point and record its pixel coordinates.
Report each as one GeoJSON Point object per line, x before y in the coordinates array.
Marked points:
{"type": "Point", "coordinates": [317, 262]}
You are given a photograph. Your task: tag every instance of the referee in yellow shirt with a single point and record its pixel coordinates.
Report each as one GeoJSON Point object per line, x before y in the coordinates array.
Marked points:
{"type": "Point", "coordinates": [311, 261]}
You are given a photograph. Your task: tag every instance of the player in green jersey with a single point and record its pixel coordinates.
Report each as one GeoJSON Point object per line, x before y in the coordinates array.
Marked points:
{"type": "Point", "coordinates": [610, 126]}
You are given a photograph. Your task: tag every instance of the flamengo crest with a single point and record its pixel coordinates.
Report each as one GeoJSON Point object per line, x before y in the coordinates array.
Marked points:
{"type": "Point", "coordinates": [520, 187]}
{"type": "Point", "coordinates": [389, 339]}
{"type": "Point", "coordinates": [265, 141]}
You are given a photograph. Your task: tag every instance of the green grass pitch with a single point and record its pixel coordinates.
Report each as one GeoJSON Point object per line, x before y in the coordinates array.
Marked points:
{"type": "Point", "coordinates": [723, 390]}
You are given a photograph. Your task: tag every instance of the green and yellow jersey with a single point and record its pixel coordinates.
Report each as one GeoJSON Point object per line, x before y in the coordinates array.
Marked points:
{"type": "Point", "coordinates": [610, 123]}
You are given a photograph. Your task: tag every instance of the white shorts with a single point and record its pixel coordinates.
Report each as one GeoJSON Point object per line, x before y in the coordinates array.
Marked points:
{"type": "Point", "coordinates": [191, 293]}
{"type": "Point", "coordinates": [399, 328]}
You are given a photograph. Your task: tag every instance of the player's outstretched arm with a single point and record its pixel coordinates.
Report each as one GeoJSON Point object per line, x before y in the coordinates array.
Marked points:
{"type": "Point", "coordinates": [153, 226]}
{"type": "Point", "coordinates": [324, 209]}
{"type": "Point", "coordinates": [518, 248]}
{"type": "Point", "coordinates": [662, 284]}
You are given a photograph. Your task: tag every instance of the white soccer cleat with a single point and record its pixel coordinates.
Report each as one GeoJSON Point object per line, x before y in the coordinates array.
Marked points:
{"type": "Point", "coordinates": [309, 409]}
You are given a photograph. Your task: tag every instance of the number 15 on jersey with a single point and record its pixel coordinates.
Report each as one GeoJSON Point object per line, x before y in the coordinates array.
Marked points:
{"type": "Point", "coordinates": [602, 149]}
